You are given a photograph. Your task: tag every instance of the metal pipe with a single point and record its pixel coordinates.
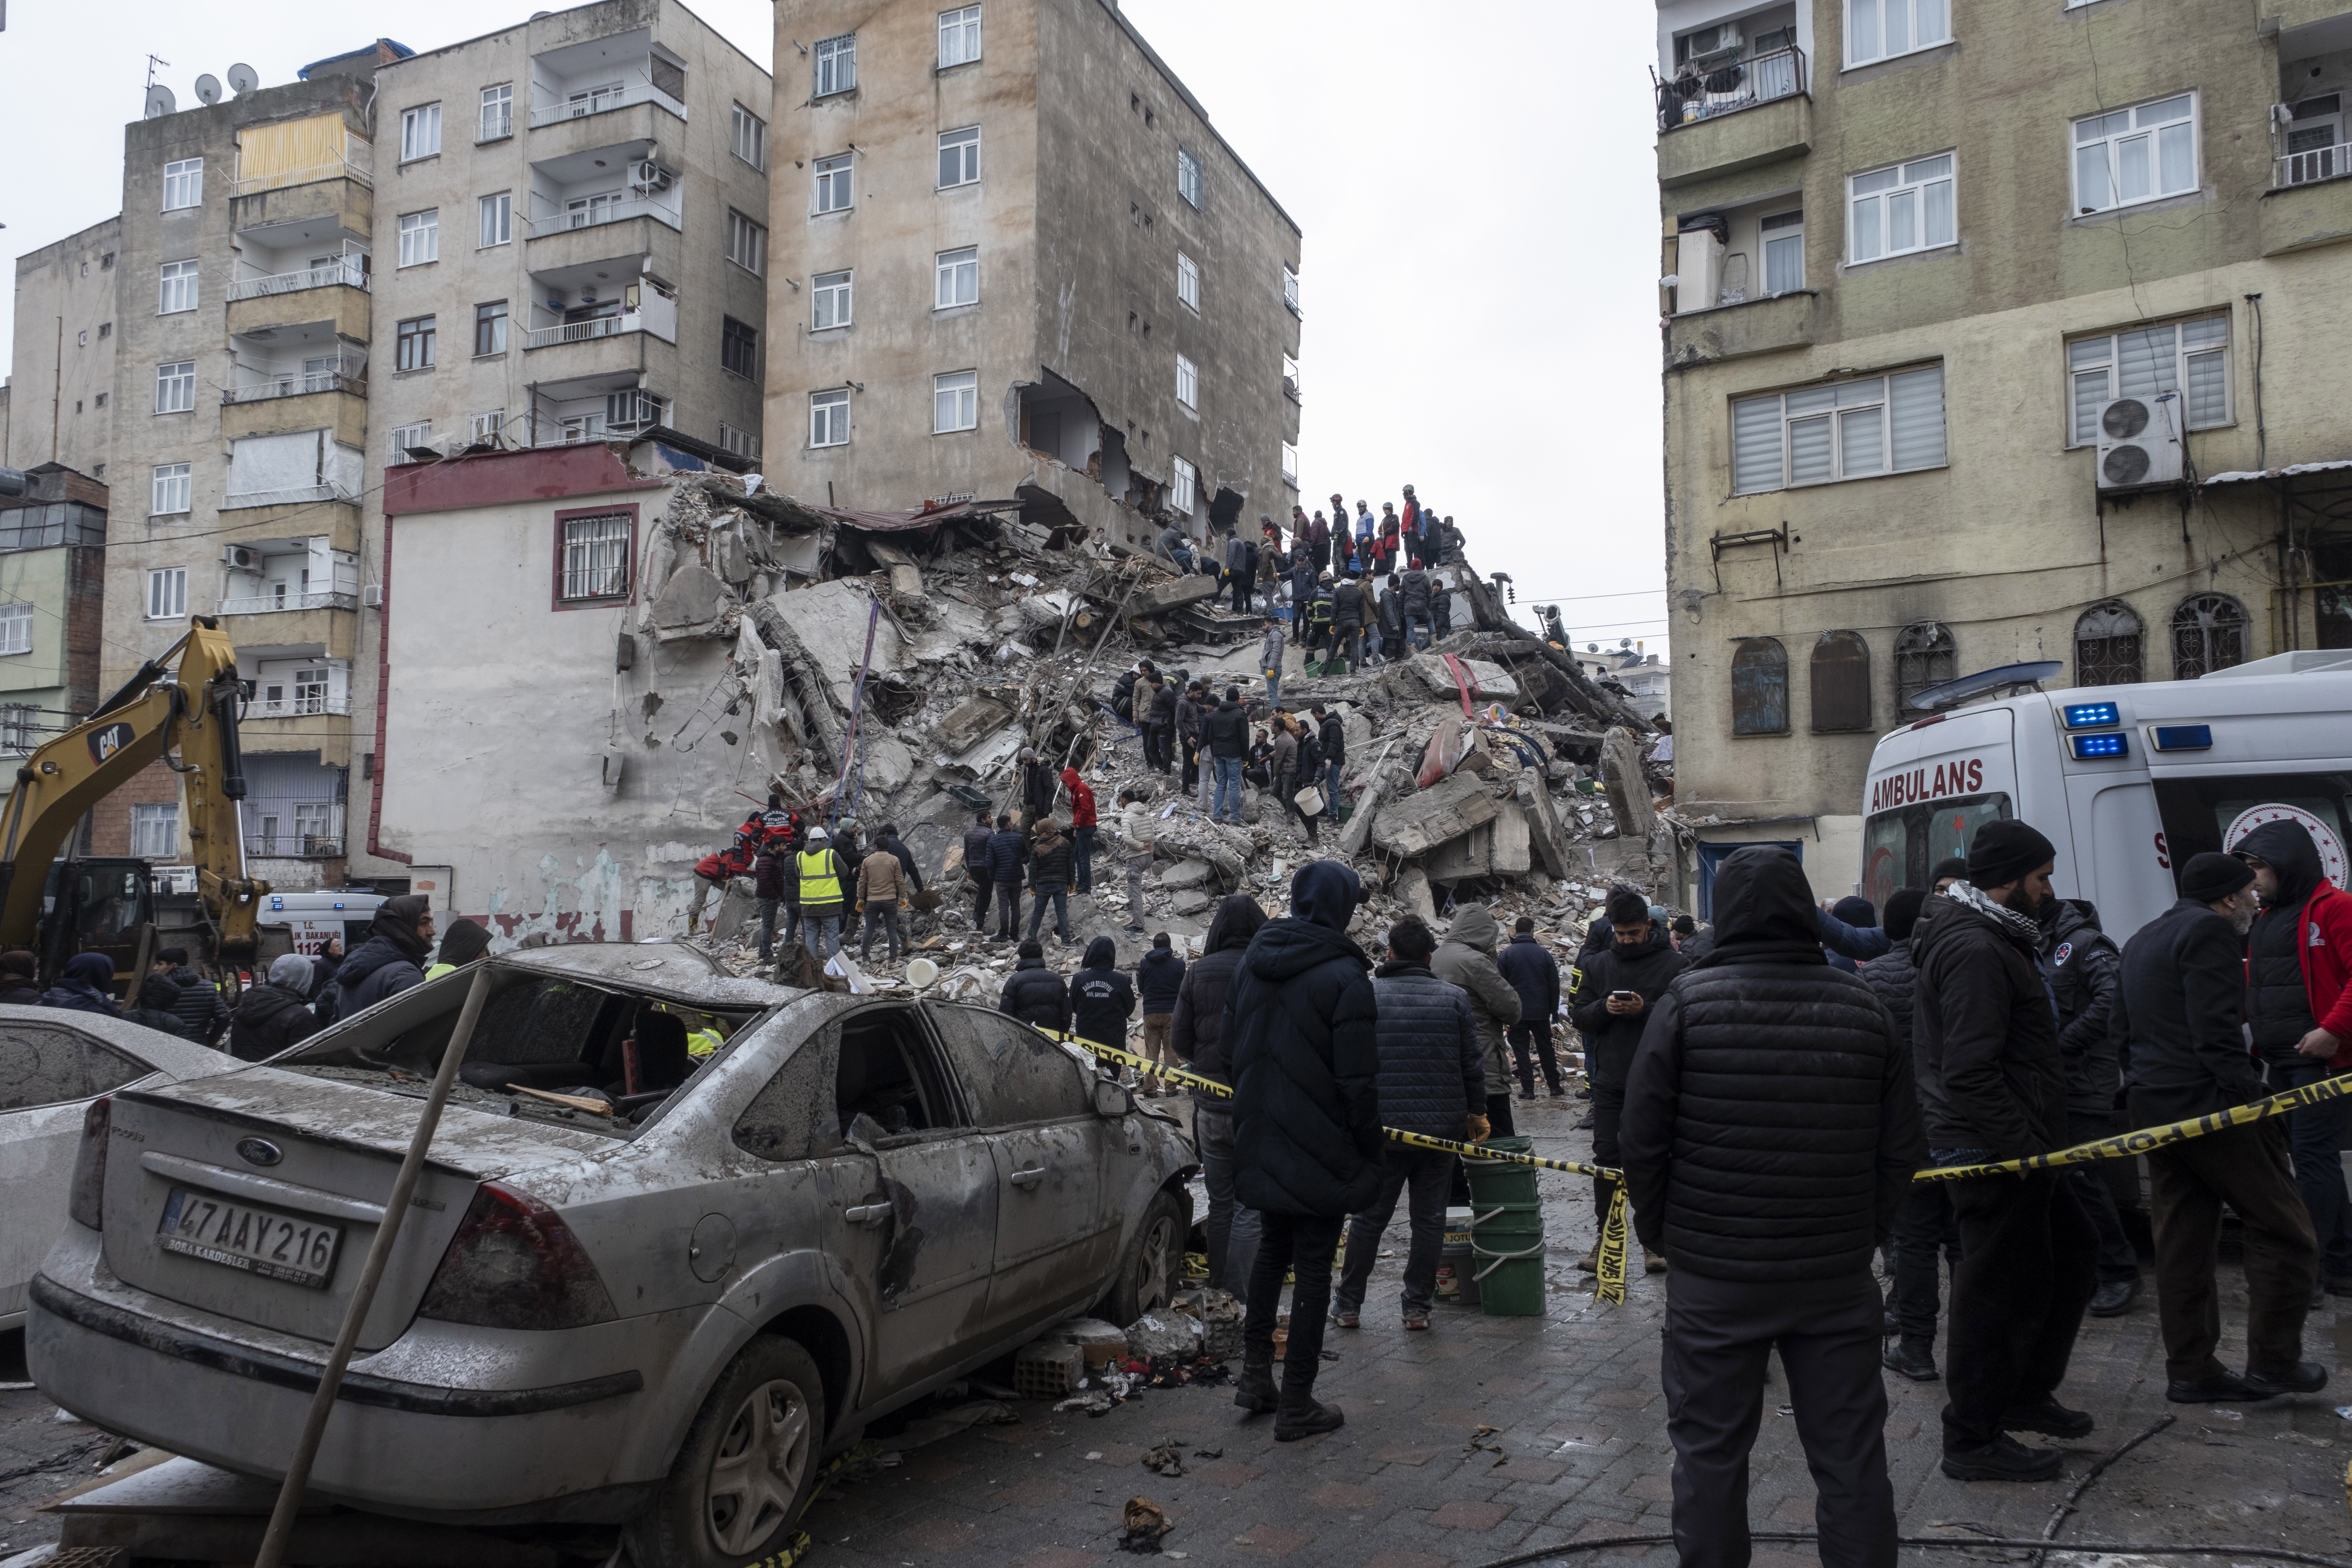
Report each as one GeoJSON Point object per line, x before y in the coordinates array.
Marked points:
{"type": "Point", "coordinates": [395, 1209]}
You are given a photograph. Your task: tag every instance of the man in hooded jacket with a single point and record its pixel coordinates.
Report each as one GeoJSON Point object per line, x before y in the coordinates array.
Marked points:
{"type": "Point", "coordinates": [391, 960]}
{"type": "Point", "coordinates": [1466, 958]}
{"type": "Point", "coordinates": [1769, 1204]}
{"type": "Point", "coordinates": [1196, 1034]}
{"type": "Point", "coordinates": [2080, 964]}
{"type": "Point", "coordinates": [1299, 1027]}
{"type": "Point", "coordinates": [274, 1014]}
{"type": "Point", "coordinates": [1034, 994]}
{"type": "Point", "coordinates": [1102, 999]}
{"type": "Point", "coordinates": [1616, 987]}
{"type": "Point", "coordinates": [1992, 1086]}
{"type": "Point", "coordinates": [2301, 1012]}
{"type": "Point", "coordinates": [1534, 973]}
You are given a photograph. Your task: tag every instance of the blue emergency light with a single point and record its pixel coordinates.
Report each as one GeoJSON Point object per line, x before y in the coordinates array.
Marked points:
{"type": "Point", "coordinates": [2092, 716]}
{"type": "Point", "coordinates": [2182, 737]}
{"type": "Point", "coordinates": [2089, 748]}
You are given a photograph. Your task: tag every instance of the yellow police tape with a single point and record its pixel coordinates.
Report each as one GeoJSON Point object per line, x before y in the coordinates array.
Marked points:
{"type": "Point", "coordinates": [2148, 1139]}
{"type": "Point", "coordinates": [1609, 1280]}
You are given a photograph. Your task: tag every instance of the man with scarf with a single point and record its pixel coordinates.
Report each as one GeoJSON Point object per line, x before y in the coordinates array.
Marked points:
{"type": "Point", "coordinates": [391, 960]}
{"type": "Point", "coordinates": [1300, 1018]}
{"type": "Point", "coordinates": [1768, 1200]}
{"type": "Point", "coordinates": [1992, 1086]}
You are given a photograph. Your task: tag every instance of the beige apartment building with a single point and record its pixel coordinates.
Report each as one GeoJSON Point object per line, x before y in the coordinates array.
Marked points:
{"type": "Point", "coordinates": [1996, 332]}
{"type": "Point", "coordinates": [1012, 258]}
{"type": "Point", "coordinates": [59, 399]}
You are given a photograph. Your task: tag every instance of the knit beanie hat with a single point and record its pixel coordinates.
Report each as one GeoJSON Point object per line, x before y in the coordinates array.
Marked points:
{"type": "Point", "coordinates": [2005, 850]}
{"type": "Point", "coordinates": [2209, 877]}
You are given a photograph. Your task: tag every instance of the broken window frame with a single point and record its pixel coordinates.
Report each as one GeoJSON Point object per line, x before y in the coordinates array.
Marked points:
{"type": "Point", "coordinates": [829, 418]}
{"type": "Point", "coordinates": [595, 557]}
{"type": "Point", "coordinates": [959, 157]}
{"type": "Point", "coordinates": [957, 278]}
{"type": "Point", "coordinates": [1183, 487]}
{"type": "Point", "coordinates": [959, 37]}
{"type": "Point", "coordinates": [1188, 384]}
{"type": "Point", "coordinates": [1188, 283]}
{"type": "Point", "coordinates": [837, 185]}
{"type": "Point", "coordinates": [833, 289]}
{"type": "Point", "coordinates": [1899, 398]}
{"type": "Point", "coordinates": [488, 429]}
{"type": "Point", "coordinates": [955, 396]}
{"type": "Point", "coordinates": [834, 64]}
{"type": "Point", "coordinates": [1759, 679]}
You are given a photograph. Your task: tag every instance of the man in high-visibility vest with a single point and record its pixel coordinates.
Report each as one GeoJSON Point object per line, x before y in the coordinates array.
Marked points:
{"type": "Point", "coordinates": [821, 876]}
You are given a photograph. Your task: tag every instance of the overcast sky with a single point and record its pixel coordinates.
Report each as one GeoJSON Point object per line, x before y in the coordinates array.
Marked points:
{"type": "Point", "coordinates": [1479, 270]}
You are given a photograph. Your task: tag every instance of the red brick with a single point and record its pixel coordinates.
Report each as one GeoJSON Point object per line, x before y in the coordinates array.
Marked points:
{"type": "Point", "coordinates": [1271, 1540]}
{"type": "Point", "coordinates": [1464, 1514]}
{"type": "Point", "coordinates": [1340, 1494]}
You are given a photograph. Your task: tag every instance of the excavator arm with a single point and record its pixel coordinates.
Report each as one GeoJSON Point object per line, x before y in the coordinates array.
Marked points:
{"type": "Point", "coordinates": [159, 713]}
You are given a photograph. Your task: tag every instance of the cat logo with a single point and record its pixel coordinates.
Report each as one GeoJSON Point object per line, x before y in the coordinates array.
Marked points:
{"type": "Point", "coordinates": [107, 741]}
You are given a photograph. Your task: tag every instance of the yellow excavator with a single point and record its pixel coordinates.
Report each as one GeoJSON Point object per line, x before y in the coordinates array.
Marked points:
{"type": "Point", "coordinates": [187, 716]}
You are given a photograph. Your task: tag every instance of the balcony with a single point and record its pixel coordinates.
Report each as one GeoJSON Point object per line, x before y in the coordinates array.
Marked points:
{"type": "Point", "coordinates": [267, 629]}
{"type": "Point", "coordinates": [296, 383]}
{"type": "Point", "coordinates": [603, 101]}
{"type": "Point", "coordinates": [293, 845]}
{"type": "Point", "coordinates": [356, 163]}
{"type": "Point", "coordinates": [616, 209]}
{"type": "Point", "coordinates": [347, 270]}
{"type": "Point", "coordinates": [286, 496]}
{"type": "Point", "coordinates": [272, 604]}
{"type": "Point", "coordinates": [2305, 213]}
{"type": "Point", "coordinates": [585, 331]}
{"type": "Point", "coordinates": [1759, 112]}
{"type": "Point", "coordinates": [1736, 330]}
{"type": "Point", "coordinates": [300, 706]}
{"type": "Point", "coordinates": [335, 201]}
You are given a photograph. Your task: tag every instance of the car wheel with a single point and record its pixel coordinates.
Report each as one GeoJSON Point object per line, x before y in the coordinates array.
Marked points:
{"type": "Point", "coordinates": [1153, 1263]}
{"type": "Point", "coordinates": [748, 1465]}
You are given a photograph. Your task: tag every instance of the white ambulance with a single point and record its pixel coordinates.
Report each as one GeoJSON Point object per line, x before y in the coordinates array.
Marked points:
{"type": "Point", "coordinates": [2128, 782]}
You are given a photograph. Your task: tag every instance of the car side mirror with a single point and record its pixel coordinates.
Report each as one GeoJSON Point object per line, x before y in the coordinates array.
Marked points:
{"type": "Point", "coordinates": [1111, 1098]}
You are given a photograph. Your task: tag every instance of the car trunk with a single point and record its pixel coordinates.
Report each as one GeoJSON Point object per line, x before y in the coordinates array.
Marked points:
{"type": "Point", "coordinates": [280, 1180]}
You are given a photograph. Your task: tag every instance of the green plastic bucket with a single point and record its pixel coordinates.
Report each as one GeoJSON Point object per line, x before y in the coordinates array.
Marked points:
{"type": "Point", "coordinates": [1500, 1220]}
{"type": "Point", "coordinates": [1496, 1182]}
{"type": "Point", "coordinates": [1510, 1286]}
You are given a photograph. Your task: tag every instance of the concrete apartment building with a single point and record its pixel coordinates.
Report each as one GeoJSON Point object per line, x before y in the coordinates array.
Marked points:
{"type": "Point", "coordinates": [1010, 259]}
{"type": "Point", "coordinates": [59, 398]}
{"type": "Point", "coordinates": [52, 581]}
{"type": "Point", "coordinates": [1913, 250]}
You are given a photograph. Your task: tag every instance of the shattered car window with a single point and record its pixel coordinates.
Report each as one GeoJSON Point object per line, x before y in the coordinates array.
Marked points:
{"type": "Point", "coordinates": [44, 1065]}
{"type": "Point", "coordinates": [781, 1120]}
{"type": "Point", "coordinates": [1013, 1073]}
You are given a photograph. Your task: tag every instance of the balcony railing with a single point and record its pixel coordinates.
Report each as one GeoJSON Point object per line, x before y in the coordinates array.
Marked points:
{"type": "Point", "coordinates": [352, 165]}
{"type": "Point", "coordinates": [347, 270]}
{"type": "Point", "coordinates": [1696, 95]}
{"type": "Point", "coordinates": [582, 332]}
{"type": "Point", "coordinates": [296, 707]}
{"type": "Point", "coordinates": [619, 209]}
{"type": "Point", "coordinates": [288, 496]}
{"type": "Point", "coordinates": [2311, 165]}
{"type": "Point", "coordinates": [295, 383]}
{"type": "Point", "coordinates": [267, 604]}
{"type": "Point", "coordinates": [294, 846]}
{"type": "Point", "coordinates": [603, 101]}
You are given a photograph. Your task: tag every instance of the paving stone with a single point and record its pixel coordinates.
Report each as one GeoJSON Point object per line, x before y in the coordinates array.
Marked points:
{"type": "Point", "coordinates": [1406, 1560]}
{"type": "Point", "coordinates": [1034, 1492]}
{"type": "Point", "coordinates": [1625, 1398]}
{"type": "Point", "coordinates": [1227, 1473]}
{"type": "Point", "coordinates": [1060, 1557]}
{"type": "Point", "coordinates": [1403, 1454]}
{"type": "Point", "coordinates": [1531, 1472]}
{"type": "Point", "coordinates": [1652, 1489]}
{"type": "Point", "coordinates": [1464, 1514]}
{"type": "Point", "coordinates": [1340, 1494]}
{"type": "Point", "coordinates": [1270, 1541]}
{"type": "Point", "coordinates": [937, 1535]}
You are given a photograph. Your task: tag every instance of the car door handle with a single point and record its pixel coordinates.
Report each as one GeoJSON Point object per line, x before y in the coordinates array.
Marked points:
{"type": "Point", "coordinates": [867, 1214]}
{"type": "Point", "coordinates": [1029, 1178]}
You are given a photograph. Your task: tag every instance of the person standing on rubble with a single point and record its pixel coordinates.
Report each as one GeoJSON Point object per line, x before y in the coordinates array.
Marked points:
{"type": "Point", "coordinates": [1416, 606]}
{"type": "Point", "coordinates": [1466, 958]}
{"type": "Point", "coordinates": [1082, 826]}
{"type": "Point", "coordinates": [1039, 784]}
{"type": "Point", "coordinates": [1318, 622]}
{"type": "Point", "coordinates": [713, 874]}
{"type": "Point", "coordinates": [1269, 565]}
{"type": "Point", "coordinates": [1269, 659]}
{"type": "Point", "coordinates": [1034, 994]}
{"type": "Point", "coordinates": [1366, 528]}
{"type": "Point", "coordinates": [1160, 727]}
{"type": "Point", "coordinates": [1441, 607]}
{"type": "Point", "coordinates": [1197, 1035]}
{"type": "Point", "coordinates": [1286, 769]}
{"type": "Point", "coordinates": [1049, 879]}
{"type": "Point", "coordinates": [1347, 621]}
{"type": "Point", "coordinates": [820, 874]}
{"type": "Point", "coordinates": [1301, 1021]}
{"type": "Point", "coordinates": [1534, 973]}
{"type": "Point", "coordinates": [1189, 706]}
{"type": "Point", "coordinates": [1158, 979]}
{"type": "Point", "coordinates": [1237, 573]}
{"type": "Point", "coordinates": [1102, 999]}
{"type": "Point", "coordinates": [1616, 987]}
{"type": "Point", "coordinates": [1318, 533]}
{"type": "Point", "coordinates": [975, 866]}
{"type": "Point", "coordinates": [1332, 737]}
{"type": "Point", "coordinates": [881, 888]}
{"type": "Point", "coordinates": [1008, 852]}
{"type": "Point", "coordinates": [1227, 732]}
{"type": "Point", "coordinates": [1391, 615]}
{"type": "Point", "coordinates": [1138, 833]}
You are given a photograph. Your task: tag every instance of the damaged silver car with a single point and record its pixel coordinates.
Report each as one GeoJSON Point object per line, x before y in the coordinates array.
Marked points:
{"type": "Point", "coordinates": [637, 1286]}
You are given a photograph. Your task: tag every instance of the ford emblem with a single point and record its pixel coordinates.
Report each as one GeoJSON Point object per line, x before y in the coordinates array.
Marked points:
{"type": "Point", "coordinates": [259, 1150]}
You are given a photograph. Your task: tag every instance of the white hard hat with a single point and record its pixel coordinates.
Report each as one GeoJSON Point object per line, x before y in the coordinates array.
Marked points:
{"type": "Point", "coordinates": [816, 836]}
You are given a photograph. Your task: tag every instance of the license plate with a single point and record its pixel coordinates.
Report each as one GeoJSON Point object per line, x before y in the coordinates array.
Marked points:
{"type": "Point", "coordinates": [276, 1246]}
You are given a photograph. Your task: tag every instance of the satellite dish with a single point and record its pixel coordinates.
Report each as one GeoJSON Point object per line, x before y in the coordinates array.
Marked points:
{"type": "Point", "coordinates": [209, 88]}
{"type": "Point", "coordinates": [242, 78]}
{"type": "Point", "coordinates": [160, 101]}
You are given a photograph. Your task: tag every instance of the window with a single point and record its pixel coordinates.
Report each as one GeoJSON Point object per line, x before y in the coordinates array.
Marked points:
{"type": "Point", "coordinates": [1188, 383]}
{"type": "Point", "coordinates": [837, 65]}
{"type": "Point", "coordinates": [1188, 280]}
{"type": "Point", "coordinates": [498, 113]}
{"type": "Point", "coordinates": [1878, 29]}
{"type": "Point", "coordinates": [177, 292]}
{"type": "Point", "coordinates": [1759, 688]}
{"type": "Point", "coordinates": [739, 348]}
{"type": "Point", "coordinates": [1187, 176]}
{"type": "Point", "coordinates": [155, 831]}
{"type": "Point", "coordinates": [1784, 253]}
{"type": "Point", "coordinates": [487, 428]}
{"type": "Point", "coordinates": [2188, 357]}
{"type": "Point", "coordinates": [17, 727]}
{"type": "Point", "coordinates": [2136, 154]}
{"type": "Point", "coordinates": [829, 418]}
{"type": "Point", "coordinates": [106, 328]}
{"type": "Point", "coordinates": [489, 328]}
{"type": "Point", "coordinates": [958, 276]}
{"type": "Point", "coordinates": [2314, 142]}
{"type": "Point", "coordinates": [2209, 633]}
{"type": "Point", "coordinates": [106, 262]}
{"type": "Point", "coordinates": [747, 243]}
{"type": "Point", "coordinates": [420, 131]}
{"type": "Point", "coordinates": [958, 156]}
{"type": "Point", "coordinates": [413, 344]}
{"type": "Point", "coordinates": [742, 443]}
{"type": "Point", "coordinates": [632, 408]}
{"type": "Point", "coordinates": [955, 401]}
{"type": "Point", "coordinates": [98, 402]}
{"type": "Point", "coordinates": [175, 387]}
{"type": "Point", "coordinates": [1291, 289]}
{"type": "Point", "coordinates": [420, 237]}
{"type": "Point", "coordinates": [1289, 463]}
{"type": "Point", "coordinates": [1184, 490]}
{"type": "Point", "coordinates": [959, 37]}
{"type": "Point", "coordinates": [498, 220]}
{"type": "Point", "coordinates": [15, 628]}
{"type": "Point", "coordinates": [832, 180]}
{"type": "Point", "coordinates": [170, 494]}
{"type": "Point", "coordinates": [1847, 431]}
{"type": "Point", "coordinates": [167, 592]}
{"type": "Point", "coordinates": [1901, 209]}
{"type": "Point", "coordinates": [747, 138]}
{"type": "Point", "coordinates": [2107, 646]}
{"type": "Point", "coordinates": [184, 186]}
{"type": "Point", "coordinates": [1841, 683]}
{"type": "Point", "coordinates": [408, 437]}
{"type": "Point", "coordinates": [828, 302]}
{"type": "Point", "coordinates": [595, 557]}
{"type": "Point", "coordinates": [1290, 377]}
{"type": "Point", "coordinates": [1925, 655]}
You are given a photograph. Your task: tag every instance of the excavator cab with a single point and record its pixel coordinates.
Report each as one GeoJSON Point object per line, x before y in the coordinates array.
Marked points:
{"type": "Point", "coordinates": [98, 905]}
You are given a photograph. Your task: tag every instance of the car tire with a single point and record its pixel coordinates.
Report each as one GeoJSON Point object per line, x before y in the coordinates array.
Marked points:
{"type": "Point", "coordinates": [735, 1492]}
{"type": "Point", "coordinates": [1150, 1271]}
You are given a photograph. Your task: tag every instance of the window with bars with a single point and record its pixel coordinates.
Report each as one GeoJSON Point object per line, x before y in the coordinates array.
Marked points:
{"type": "Point", "coordinates": [1759, 688]}
{"type": "Point", "coordinates": [829, 301]}
{"type": "Point", "coordinates": [486, 428]}
{"type": "Point", "coordinates": [2188, 357]}
{"type": "Point", "coordinates": [177, 290]}
{"type": "Point", "coordinates": [2209, 633]}
{"type": "Point", "coordinates": [2107, 644]}
{"type": "Point", "coordinates": [420, 237]}
{"type": "Point", "coordinates": [747, 137]}
{"type": "Point", "coordinates": [175, 387]}
{"type": "Point", "coordinates": [747, 243]}
{"type": "Point", "coordinates": [15, 628]}
{"type": "Point", "coordinates": [596, 558]}
{"type": "Point", "coordinates": [413, 344]}
{"type": "Point", "coordinates": [958, 278]}
{"type": "Point", "coordinates": [1902, 208]}
{"type": "Point", "coordinates": [829, 418]}
{"type": "Point", "coordinates": [959, 37]}
{"type": "Point", "coordinates": [184, 186]}
{"type": "Point", "coordinates": [955, 402]}
{"type": "Point", "coordinates": [406, 436]}
{"type": "Point", "coordinates": [833, 191]}
{"type": "Point", "coordinates": [1291, 289]}
{"type": "Point", "coordinates": [497, 113]}
{"type": "Point", "coordinates": [155, 830]}
{"type": "Point", "coordinates": [1925, 655]}
{"type": "Point", "coordinates": [1849, 430]}
{"type": "Point", "coordinates": [739, 348]}
{"type": "Point", "coordinates": [960, 157]}
{"type": "Point", "coordinates": [171, 491]}
{"type": "Point", "coordinates": [837, 65]}
{"type": "Point", "coordinates": [1187, 176]}
{"type": "Point", "coordinates": [167, 592]}
{"type": "Point", "coordinates": [2139, 154]}
{"type": "Point", "coordinates": [742, 443]}
{"type": "Point", "coordinates": [1188, 280]}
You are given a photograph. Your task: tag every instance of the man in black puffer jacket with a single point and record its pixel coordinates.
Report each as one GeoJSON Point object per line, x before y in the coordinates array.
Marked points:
{"type": "Point", "coordinates": [1197, 1035]}
{"type": "Point", "coordinates": [391, 960]}
{"type": "Point", "coordinates": [274, 1014]}
{"type": "Point", "coordinates": [1034, 994]}
{"type": "Point", "coordinates": [1616, 989]}
{"type": "Point", "coordinates": [1927, 1235]}
{"type": "Point", "coordinates": [195, 1001]}
{"type": "Point", "coordinates": [1992, 1086]}
{"type": "Point", "coordinates": [1008, 851]}
{"type": "Point", "coordinates": [1771, 1133]}
{"type": "Point", "coordinates": [2082, 965]}
{"type": "Point", "coordinates": [1433, 1081]}
{"type": "Point", "coordinates": [1102, 999]}
{"type": "Point", "coordinates": [1307, 1126]}
{"type": "Point", "coordinates": [975, 868]}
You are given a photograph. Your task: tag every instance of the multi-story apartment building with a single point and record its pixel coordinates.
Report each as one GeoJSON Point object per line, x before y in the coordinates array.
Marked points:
{"type": "Point", "coordinates": [1012, 259]}
{"type": "Point", "coordinates": [60, 394]}
{"type": "Point", "coordinates": [1996, 331]}
{"type": "Point", "coordinates": [52, 569]}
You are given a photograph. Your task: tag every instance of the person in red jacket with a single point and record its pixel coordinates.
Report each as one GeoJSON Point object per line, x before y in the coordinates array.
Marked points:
{"type": "Point", "coordinates": [712, 873]}
{"type": "Point", "coordinates": [1082, 826]}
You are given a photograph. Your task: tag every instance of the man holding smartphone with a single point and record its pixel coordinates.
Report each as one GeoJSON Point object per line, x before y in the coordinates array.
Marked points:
{"type": "Point", "coordinates": [1615, 988]}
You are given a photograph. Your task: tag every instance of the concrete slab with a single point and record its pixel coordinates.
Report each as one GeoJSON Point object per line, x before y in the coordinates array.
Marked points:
{"type": "Point", "coordinates": [1413, 824]}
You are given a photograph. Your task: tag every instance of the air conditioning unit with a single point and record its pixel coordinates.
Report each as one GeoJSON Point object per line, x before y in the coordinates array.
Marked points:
{"type": "Point", "coordinates": [648, 177]}
{"type": "Point", "coordinates": [1714, 43]}
{"type": "Point", "coordinates": [240, 557]}
{"type": "Point", "coordinates": [371, 595]}
{"type": "Point", "coordinates": [2140, 442]}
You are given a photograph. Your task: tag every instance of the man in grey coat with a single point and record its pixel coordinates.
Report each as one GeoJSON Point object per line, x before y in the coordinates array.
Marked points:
{"type": "Point", "coordinates": [1466, 958]}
